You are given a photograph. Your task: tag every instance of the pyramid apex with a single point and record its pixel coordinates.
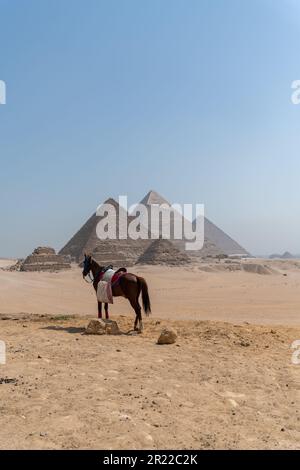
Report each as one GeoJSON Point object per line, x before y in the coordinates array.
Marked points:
{"type": "Point", "coordinates": [152, 197]}
{"type": "Point", "coordinates": [111, 201]}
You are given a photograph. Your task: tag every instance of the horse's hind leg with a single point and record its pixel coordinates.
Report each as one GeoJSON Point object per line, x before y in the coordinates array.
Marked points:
{"type": "Point", "coordinates": [140, 320]}
{"type": "Point", "coordinates": [106, 311]}
{"type": "Point", "coordinates": [99, 310]}
{"type": "Point", "coordinates": [138, 315]}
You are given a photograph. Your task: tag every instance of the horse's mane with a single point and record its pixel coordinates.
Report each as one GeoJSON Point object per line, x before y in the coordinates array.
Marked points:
{"type": "Point", "coordinates": [94, 262]}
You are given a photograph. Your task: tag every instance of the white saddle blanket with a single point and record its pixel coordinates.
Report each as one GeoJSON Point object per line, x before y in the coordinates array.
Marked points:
{"type": "Point", "coordinates": [104, 293]}
{"type": "Point", "coordinates": [108, 275]}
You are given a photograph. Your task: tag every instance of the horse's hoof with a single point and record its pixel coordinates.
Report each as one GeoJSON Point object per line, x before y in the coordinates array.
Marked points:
{"type": "Point", "coordinates": [131, 333]}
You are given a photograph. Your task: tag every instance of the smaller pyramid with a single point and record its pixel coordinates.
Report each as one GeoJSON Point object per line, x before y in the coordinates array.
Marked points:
{"type": "Point", "coordinates": [45, 259]}
{"type": "Point", "coordinates": [209, 250]}
{"type": "Point", "coordinates": [287, 255]}
{"type": "Point", "coordinates": [162, 251]}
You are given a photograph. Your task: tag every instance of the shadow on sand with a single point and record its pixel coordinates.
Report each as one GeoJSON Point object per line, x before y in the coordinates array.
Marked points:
{"type": "Point", "coordinates": [68, 329]}
{"type": "Point", "coordinates": [80, 330]}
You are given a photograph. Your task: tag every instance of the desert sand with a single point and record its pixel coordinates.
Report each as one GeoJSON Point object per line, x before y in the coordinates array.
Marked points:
{"type": "Point", "coordinates": [5, 263]}
{"type": "Point", "coordinates": [228, 382]}
{"type": "Point", "coordinates": [189, 293]}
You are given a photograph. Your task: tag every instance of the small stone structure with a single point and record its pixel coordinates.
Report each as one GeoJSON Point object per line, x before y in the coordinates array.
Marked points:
{"type": "Point", "coordinates": [45, 259]}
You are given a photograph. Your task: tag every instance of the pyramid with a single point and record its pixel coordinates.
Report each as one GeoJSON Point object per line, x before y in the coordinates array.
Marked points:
{"type": "Point", "coordinates": [44, 259]}
{"type": "Point", "coordinates": [163, 252]}
{"type": "Point", "coordinates": [118, 252]}
{"type": "Point", "coordinates": [76, 245]}
{"type": "Point", "coordinates": [216, 242]}
{"type": "Point", "coordinates": [154, 198]}
{"type": "Point", "coordinates": [285, 255]}
{"type": "Point", "coordinates": [221, 240]}
{"type": "Point", "coordinates": [126, 252]}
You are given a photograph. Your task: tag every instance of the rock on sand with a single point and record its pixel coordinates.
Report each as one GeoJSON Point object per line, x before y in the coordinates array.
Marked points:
{"type": "Point", "coordinates": [102, 327]}
{"type": "Point", "coordinates": [167, 336]}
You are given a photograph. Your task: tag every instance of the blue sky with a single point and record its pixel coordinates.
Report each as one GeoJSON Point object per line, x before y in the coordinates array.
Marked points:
{"type": "Point", "coordinates": [188, 97]}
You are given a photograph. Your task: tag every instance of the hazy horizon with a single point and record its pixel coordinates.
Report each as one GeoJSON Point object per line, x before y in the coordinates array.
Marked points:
{"type": "Point", "coordinates": [191, 99]}
{"type": "Point", "coordinates": [130, 203]}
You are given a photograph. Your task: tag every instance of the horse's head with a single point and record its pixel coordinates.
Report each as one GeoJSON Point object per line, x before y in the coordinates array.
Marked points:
{"type": "Point", "coordinates": [87, 265]}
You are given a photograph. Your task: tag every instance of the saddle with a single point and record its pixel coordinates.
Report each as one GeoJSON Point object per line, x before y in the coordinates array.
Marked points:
{"type": "Point", "coordinates": [108, 274]}
{"type": "Point", "coordinates": [119, 273]}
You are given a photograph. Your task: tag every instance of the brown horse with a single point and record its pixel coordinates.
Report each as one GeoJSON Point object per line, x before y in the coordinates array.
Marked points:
{"type": "Point", "coordinates": [128, 285]}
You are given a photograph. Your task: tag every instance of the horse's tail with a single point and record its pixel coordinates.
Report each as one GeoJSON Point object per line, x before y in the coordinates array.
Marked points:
{"type": "Point", "coordinates": [145, 295]}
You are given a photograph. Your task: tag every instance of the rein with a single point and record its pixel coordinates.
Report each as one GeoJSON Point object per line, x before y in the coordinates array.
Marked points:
{"type": "Point", "coordinates": [91, 279]}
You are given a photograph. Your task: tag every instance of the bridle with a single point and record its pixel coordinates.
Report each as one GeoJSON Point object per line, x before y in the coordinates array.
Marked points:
{"type": "Point", "coordinates": [91, 281]}
{"type": "Point", "coordinates": [86, 267]}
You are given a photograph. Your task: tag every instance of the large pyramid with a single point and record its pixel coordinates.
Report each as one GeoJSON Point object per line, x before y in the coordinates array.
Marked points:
{"type": "Point", "coordinates": [152, 197]}
{"type": "Point", "coordinates": [216, 242]}
{"type": "Point", "coordinates": [118, 252]}
{"type": "Point", "coordinates": [221, 240]}
{"type": "Point", "coordinates": [126, 252]}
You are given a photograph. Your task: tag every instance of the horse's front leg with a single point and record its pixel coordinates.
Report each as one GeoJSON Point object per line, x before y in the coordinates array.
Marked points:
{"type": "Point", "coordinates": [99, 309]}
{"type": "Point", "coordinates": [106, 311]}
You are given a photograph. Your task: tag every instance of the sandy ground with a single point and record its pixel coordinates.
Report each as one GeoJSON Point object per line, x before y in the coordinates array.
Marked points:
{"type": "Point", "coordinates": [5, 263]}
{"type": "Point", "coordinates": [222, 385]}
{"type": "Point", "coordinates": [176, 293]}
{"type": "Point", "coordinates": [219, 386]}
